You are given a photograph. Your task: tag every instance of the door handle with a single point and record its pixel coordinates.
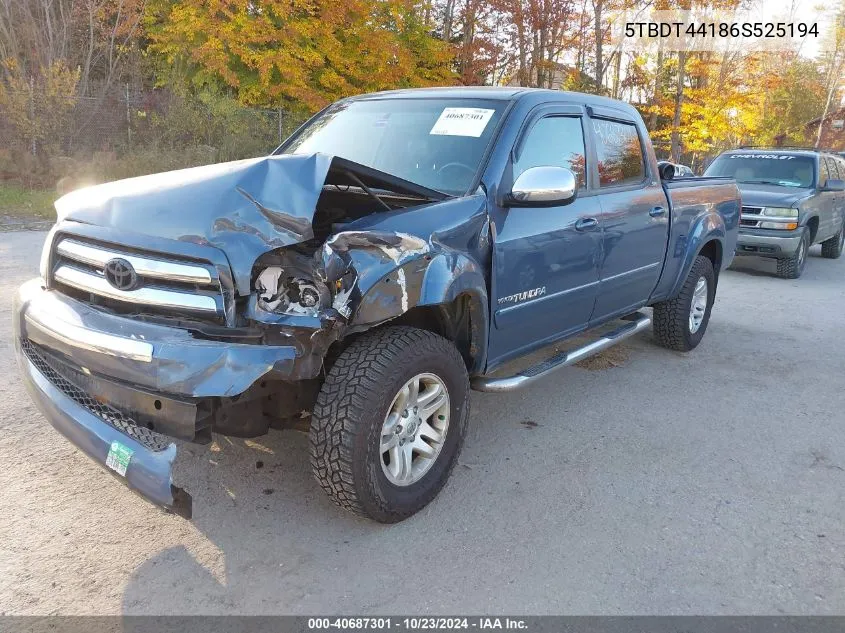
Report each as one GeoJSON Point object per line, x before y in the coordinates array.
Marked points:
{"type": "Point", "coordinates": [657, 212]}
{"type": "Point", "coordinates": [586, 224]}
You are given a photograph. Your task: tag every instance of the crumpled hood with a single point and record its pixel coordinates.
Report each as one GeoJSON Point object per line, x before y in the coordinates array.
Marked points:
{"type": "Point", "coordinates": [245, 208]}
{"type": "Point", "coordinates": [771, 195]}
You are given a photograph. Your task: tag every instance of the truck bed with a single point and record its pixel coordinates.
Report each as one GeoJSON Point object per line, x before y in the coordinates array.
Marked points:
{"type": "Point", "coordinates": [693, 203]}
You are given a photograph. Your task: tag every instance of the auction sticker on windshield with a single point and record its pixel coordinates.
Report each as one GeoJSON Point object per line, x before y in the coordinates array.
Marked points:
{"type": "Point", "coordinates": [462, 122]}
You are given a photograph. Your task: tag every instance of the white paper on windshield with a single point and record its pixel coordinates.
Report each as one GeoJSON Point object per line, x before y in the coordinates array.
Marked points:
{"type": "Point", "coordinates": [462, 122]}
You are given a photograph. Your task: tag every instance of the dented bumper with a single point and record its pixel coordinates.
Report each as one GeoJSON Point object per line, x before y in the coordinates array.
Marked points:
{"type": "Point", "coordinates": [149, 471]}
{"type": "Point", "coordinates": [101, 379]}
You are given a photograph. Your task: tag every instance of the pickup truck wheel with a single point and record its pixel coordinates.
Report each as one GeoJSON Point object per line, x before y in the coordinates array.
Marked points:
{"type": "Point", "coordinates": [389, 422]}
{"type": "Point", "coordinates": [680, 323]}
{"type": "Point", "coordinates": [832, 248]}
{"type": "Point", "coordinates": [792, 267]}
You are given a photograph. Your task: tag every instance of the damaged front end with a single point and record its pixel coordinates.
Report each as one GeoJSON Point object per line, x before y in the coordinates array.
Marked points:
{"type": "Point", "coordinates": [313, 296]}
{"type": "Point", "coordinates": [243, 277]}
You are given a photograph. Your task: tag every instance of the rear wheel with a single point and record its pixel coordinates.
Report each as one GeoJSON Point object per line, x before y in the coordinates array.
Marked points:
{"type": "Point", "coordinates": [680, 323]}
{"type": "Point", "coordinates": [792, 267]}
{"type": "Point", "coordinates": [832, 248]}
{"type": "Point", "coordinates": [389, 422]}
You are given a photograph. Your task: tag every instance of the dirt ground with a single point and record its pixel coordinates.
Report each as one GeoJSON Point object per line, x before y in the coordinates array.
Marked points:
{"type": "Point", "coordinates": [651, 482]}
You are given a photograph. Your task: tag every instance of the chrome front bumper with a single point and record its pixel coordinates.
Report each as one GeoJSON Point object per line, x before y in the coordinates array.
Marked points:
{"type": "Point", "coordinates": [149, 472]}
{"type": "Point", "coordinates": [155, 357]}
{"type": "Point", "coordinates": [136, 357]}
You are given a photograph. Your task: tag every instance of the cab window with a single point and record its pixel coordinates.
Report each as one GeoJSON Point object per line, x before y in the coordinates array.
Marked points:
{"type": "Point", "coordinates": [556, 141]}
{"type": "Point", "coordinates": [619, 153]}
{"type": "Point", "coordinates": [824, 172]}
{"type": "Point", "coordinates": [832, 171]}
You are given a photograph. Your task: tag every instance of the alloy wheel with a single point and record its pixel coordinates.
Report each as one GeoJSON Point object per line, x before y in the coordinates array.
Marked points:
{"type": "Point", "coordinates": [414, 429]}
{"type": "Point", "coordinates": [698, 305]}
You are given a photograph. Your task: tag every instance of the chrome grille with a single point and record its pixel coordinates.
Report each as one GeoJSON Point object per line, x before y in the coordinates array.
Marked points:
{"type": "Point", "coordinates": [750, 216]}
{"type": "Point", "coordinates": [164, 284]}
{"type": "Point", "coordinates": [144, 266]}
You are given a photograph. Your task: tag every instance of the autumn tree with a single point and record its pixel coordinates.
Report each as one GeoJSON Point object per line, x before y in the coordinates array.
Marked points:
{"type": "Point", "coordinates": [301, 54]}
{"type": "Point", "coordinates": [834, 62]}
{"type": "Point", "coordinates": [96, 36]}
{"type": "Point", "coordinates": [37, 103]}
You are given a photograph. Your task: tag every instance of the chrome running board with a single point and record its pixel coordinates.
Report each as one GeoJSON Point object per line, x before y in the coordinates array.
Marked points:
{"type": "Point", "coordinates": [637, 322]}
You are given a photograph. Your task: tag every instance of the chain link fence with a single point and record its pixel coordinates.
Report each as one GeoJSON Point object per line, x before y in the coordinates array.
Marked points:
{"type": "Point", "coordinates": [46, 138]}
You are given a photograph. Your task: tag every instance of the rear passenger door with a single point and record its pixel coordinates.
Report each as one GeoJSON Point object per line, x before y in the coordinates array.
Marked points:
{"type": "Point", "coordinates": [828, 214]}
{"type": "Point", "coordinates": [836, 169]}
{"type": "Point", "coordinates": [634, 217]}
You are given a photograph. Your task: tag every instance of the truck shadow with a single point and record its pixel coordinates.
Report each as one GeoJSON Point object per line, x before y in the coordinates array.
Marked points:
{"type": "Point", "coordinates": [766, 267]}
{"type": "Point", "coordinates": [268, 540]}
{"type": "Point", "coordinates": [258, 511]}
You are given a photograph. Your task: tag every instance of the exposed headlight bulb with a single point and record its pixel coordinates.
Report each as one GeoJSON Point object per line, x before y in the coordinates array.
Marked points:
{"type": "Point", "coordinates": [309, 297]}
{"type": "Point", "coordinates": [283, 294]}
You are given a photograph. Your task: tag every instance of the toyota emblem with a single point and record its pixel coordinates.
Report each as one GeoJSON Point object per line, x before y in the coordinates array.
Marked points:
{"type": "Point", "coordinates": [120, 274]}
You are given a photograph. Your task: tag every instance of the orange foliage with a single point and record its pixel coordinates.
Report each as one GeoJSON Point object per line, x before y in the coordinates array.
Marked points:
{"type": "Point", "coordinates": [302, 53]}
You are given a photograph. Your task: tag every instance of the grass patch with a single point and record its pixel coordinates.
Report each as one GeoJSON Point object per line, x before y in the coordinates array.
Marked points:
{"type": "Point", "coordinates": [20, 202]}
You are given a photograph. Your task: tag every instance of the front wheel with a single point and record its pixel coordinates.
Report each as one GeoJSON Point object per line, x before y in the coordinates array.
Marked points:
{"type": "Point", "coordinates": [792, 267]}
{"type": "Point", "coordinates": [680, 323]}
{"type": "Point", "coordinates": [389, 422]}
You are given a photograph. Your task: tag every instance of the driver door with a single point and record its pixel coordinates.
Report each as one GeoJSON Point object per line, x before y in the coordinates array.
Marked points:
{"type": "Point", "coordinates": [545, 259]}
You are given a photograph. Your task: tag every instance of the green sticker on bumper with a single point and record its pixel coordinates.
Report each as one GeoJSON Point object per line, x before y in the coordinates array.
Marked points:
{"type": "Point", "coordinates": [118, 458]}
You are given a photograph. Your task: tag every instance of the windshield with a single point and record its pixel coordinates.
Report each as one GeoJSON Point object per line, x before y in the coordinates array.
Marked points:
{"type": "Point", "coordinates": [437, 143]}
{"type": "Point", "coordinates": [766, 169]}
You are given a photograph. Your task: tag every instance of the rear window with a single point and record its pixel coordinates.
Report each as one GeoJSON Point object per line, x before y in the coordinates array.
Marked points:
{"type": "Point", "coordinates": [620, 154]}
{"type": "Point", "coordinates": [785, 170]}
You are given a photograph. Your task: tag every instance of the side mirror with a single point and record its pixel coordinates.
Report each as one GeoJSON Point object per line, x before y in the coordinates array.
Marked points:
{"type": "Point", "coordinates": [834, 184]}
{"type": "Point", "coordinates": [666, 170]}
{"type": "Point", "coordinates": [543, 186]}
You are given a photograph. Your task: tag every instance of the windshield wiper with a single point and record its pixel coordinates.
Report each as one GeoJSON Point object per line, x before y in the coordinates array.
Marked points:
{"type": "Point", "coordinates": [369, 191]}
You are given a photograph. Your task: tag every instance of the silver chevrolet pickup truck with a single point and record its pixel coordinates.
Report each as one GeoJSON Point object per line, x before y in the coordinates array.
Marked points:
{"type": "Point", "coordinates": [791, 199]}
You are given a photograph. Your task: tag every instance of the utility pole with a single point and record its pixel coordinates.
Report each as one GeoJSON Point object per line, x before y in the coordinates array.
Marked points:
{"type": "Point", "coordinates": [32, 113]}
{"type": "Point", "coordinates": [128, 116]}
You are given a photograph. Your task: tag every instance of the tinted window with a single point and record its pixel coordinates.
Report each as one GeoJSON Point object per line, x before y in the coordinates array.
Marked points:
{"type": "Point", "coordinates": [786, 170]}
{"type": "Point", "coordinates": [620, 154]}
{"type": "Point", "coordinates": [831, 168]}
{"type": "Point", "coordinates": [824, 173]}
{"type": "Point", "coordinates": [437, 143]}
{"type": "Point", "coordinates": [841, 164]}
{"type": "Point", "coordinates": [554, 141]}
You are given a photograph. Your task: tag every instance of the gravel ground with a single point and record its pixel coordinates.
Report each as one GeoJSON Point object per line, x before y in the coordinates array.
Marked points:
{"type": "Point", "coordinates": [655, 483]}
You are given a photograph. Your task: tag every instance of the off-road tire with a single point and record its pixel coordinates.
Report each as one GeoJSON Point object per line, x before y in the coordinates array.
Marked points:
{"type": "Point", "coordinates": [350, 410]}
{"type": "Point", "coordinates": [832, 248]}
{"type": "Point", "coordinates": [792, 267]}
{"type": "Point", "coordinates": [671, 317]}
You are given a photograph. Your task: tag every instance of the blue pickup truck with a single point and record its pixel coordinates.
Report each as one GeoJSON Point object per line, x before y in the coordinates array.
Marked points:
{"type": "Point", "coordinates": [398, 250]}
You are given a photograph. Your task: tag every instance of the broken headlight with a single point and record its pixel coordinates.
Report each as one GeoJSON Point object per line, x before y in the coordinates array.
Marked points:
{"type": "Point", "coordinates": [284, 292]}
